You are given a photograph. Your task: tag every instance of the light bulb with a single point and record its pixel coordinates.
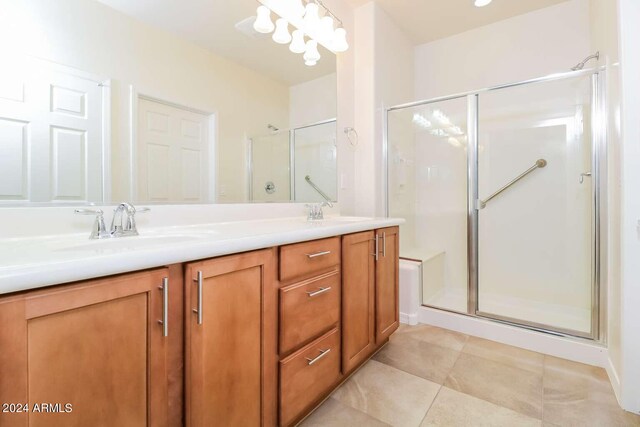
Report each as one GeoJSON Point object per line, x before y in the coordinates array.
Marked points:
{"type": "Point", "coordinates": [311, 53]}
{"type": "Point", "coordinates": [297, 43]}
{"type": "Point", "coordinates": [263, 22]}
{"type": "Point", "coordinates": [281, 34]}
{"type": "Point", "coordinates": [340, 40]}
{"type": "Point", "coordinates": [481, 3]}
{"type": "Point", "coordinates": [310, 63]}
{"type": "Point", "coordinates": [326, 29]}
{"type": "Point", "coordinates": [311, 18]}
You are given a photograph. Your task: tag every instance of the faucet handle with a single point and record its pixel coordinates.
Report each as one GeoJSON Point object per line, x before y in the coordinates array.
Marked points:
{"type": "Point", "coordinates": [142, 210]}
{"type": "Point", "coordinates": [99, 230]}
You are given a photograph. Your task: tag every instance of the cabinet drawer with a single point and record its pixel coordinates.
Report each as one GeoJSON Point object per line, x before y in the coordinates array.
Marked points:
{"type": "Point", "coordinates": [307, 375]}
{"type": "Point", "coordinates": [308, 309]}
{"type": "Point", "coordinates": [305, 259]}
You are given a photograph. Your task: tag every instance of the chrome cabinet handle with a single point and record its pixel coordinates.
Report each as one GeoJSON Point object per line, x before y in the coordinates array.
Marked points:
{"type": "Point", "coordinates": [384, 244]}
{"type": "Point", "coordinates": [318, 292]}
{"type": "Point", "coordinates": [165, 306]}
{"type": "Point", "coordinates": [377, 248]}
{"type": "Point", "coordinates": [583, 175]}
{"type": "Point", "coordinates": [322, 354]}
{"type": "Point", "coordinates": [317, 254]}
{"type": "Point", "coordinates": [199, 309]}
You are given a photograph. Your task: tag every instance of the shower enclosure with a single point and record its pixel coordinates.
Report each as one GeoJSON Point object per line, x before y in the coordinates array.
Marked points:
{"type": "Point", "coordinates": [501, 192]}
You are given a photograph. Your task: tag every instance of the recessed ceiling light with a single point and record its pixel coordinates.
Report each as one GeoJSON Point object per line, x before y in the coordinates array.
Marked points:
{"type": "Point", "coordinates": [481, 3]}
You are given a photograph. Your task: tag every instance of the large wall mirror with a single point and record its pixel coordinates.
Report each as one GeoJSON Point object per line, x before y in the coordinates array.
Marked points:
{"type": "Point", "coordinates": [159, 101]}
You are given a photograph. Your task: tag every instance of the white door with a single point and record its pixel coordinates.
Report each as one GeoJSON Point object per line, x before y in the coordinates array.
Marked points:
{"type": "Point", "coordinates": [51, 136]}
{"type": "Point", "coordinates": [172, 153]}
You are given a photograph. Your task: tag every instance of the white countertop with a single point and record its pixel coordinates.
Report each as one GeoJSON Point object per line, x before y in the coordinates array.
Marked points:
{"type": "Point", "coordinates": [33, 262]}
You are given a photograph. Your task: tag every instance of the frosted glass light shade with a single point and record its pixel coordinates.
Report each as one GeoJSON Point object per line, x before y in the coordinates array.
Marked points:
{"type": "Point", "coordinates": [311, 53]}
{"type": "Point", "coordinates": [311, 17]}
{"type": "Point", "coordinates": [263, 22]}
{"type": "Point", "coordinates": [482, 3]}
{"type": "Point", "coordinates": [297, 43]}
{"type": "Point", "coordinates": [340, 40]}
{"type": "Point", "coordinates": [326, 28]}
{"type": "Point", "coordinates": [296, 7]}
{"type": "Point", "coordinates": [310, 63]}
{"type": "Point", "coordinates": [281, 34]}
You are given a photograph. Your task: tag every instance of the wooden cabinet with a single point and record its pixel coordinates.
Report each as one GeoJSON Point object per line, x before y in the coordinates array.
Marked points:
{"type": "Point", "coordinates": [307, 375]}
{"type": "Point", "coordinates": [387, 283]}
{"type": "Point", "coordinates": [358, 294]}
{"type": "Point", "coordinates": [230, 349]}
{"type": "Point", "coordinates": [248, 344]}
{"type": "Point", "coordinates": [370, 312]}
{"type": "Point", "coordinates": [97, 346]}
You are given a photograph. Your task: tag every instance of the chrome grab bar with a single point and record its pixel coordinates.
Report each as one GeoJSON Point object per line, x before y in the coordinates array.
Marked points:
{"type": "Point", "coordinates": [319, 191]}
{"type": "Point", "coordinates": [540, 163]}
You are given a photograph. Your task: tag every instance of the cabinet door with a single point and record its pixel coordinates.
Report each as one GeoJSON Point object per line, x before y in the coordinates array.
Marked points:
{"type": "Point", "coordinates": [387, 283]}
{"type": "Point", "coordinates": [226, 341]}
{"type": "Point", "coordinates": [95, 349]}
{"type": "Point", "coordinates": [358, 299]}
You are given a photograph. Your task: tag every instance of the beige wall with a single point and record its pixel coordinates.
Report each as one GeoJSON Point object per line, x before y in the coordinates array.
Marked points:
{"type": "Point", "coordinates": [94, 38]}
{"type": "Point", "coordinates": [604, 38]}
{"type": "Point", "coordinates": [313, 101]}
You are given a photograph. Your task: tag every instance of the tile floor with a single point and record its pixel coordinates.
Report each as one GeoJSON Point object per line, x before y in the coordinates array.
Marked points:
{"type": "Point", "coordinates": [427, 376]}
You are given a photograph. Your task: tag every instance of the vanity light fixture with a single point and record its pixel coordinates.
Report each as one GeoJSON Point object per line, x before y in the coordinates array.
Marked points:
{"type": "Point", "coordinates": [313, 21]}
{"type": "Point", "coordinates": [263, 22]}
{"type": "Point", "coordinates": [281, 34]}
{"type": "Point", "coordinates": [482, 3]}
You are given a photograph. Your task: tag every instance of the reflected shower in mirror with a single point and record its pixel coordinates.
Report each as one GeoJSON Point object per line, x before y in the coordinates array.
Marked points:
{"type": "Point", "coordinates": [299, 164]}
{"type": "Point", "coordinates": [158, 102]}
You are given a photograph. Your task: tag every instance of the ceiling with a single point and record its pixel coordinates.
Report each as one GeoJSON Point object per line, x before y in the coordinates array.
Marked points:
{"type": "Point", "coordinates": [211, 24]}
{"type": "Point", "coordinates": [428, 20]}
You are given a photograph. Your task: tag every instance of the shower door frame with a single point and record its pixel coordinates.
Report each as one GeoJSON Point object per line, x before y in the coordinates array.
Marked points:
{"type": "Point", "coordinates": [598, 195]}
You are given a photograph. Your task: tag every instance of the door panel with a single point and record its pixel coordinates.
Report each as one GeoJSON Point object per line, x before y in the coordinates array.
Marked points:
{"type": "Point", "coordinates": [358, 299]}
{"type": "Point", "coordinates": [387, 283]}
{"type": "Point", "coordinates": [173, 153]}
{"type": "Point", "coordinates": [226, 351]}
{"type": "Point", "coordinates": [51, 126]}
{"type": "Point", "coordinates": [536, 237]}
{"type": "Point", "coordinates": [97, 346]}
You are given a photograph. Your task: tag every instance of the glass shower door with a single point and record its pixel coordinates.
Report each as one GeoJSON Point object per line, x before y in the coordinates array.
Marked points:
{"type": "Point", "coordinates": [427, 179]}
{"type": "Point", "coordinates": [536, 205]}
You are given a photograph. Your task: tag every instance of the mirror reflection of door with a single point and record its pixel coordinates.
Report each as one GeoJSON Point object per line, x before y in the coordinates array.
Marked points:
{"type": "Point", "coordinates": [172, 153]}
{"type": "Point", "coordinates": [51, 123]}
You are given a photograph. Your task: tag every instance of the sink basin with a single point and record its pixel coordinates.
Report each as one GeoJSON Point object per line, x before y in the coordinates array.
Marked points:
{"type": "Point", "coordinates": [133, 242]}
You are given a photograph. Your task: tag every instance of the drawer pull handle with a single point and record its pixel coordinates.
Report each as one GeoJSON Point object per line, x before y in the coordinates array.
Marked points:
{"type": "Point", "coordinates": [322, 354]}
{"type": "Point", "coordinates": [198, 310]}
{"type": "Point", "coordinates": [317, 254]}
{"type": "Point", "coordinates": [165, 306]}
{"type": "Point", "coordinates": [319, 291]}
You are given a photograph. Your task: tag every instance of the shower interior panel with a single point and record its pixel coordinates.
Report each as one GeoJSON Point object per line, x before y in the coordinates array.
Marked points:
{"type": "Point", "coordinates": [536, 240]}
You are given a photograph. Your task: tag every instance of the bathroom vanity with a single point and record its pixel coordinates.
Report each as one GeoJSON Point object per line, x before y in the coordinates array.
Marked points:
{"type": "Point", "coordinates": [258, 337]}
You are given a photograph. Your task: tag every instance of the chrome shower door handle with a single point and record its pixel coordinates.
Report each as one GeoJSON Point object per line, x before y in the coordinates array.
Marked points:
{"type": "Point", "coordinates": [583, 175]}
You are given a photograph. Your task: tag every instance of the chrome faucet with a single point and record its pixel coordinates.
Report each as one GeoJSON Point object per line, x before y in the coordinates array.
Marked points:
{"type": "Point", "coordinates": [123, 223]}
{"type": "Point", "coordinates": [315, 211]}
